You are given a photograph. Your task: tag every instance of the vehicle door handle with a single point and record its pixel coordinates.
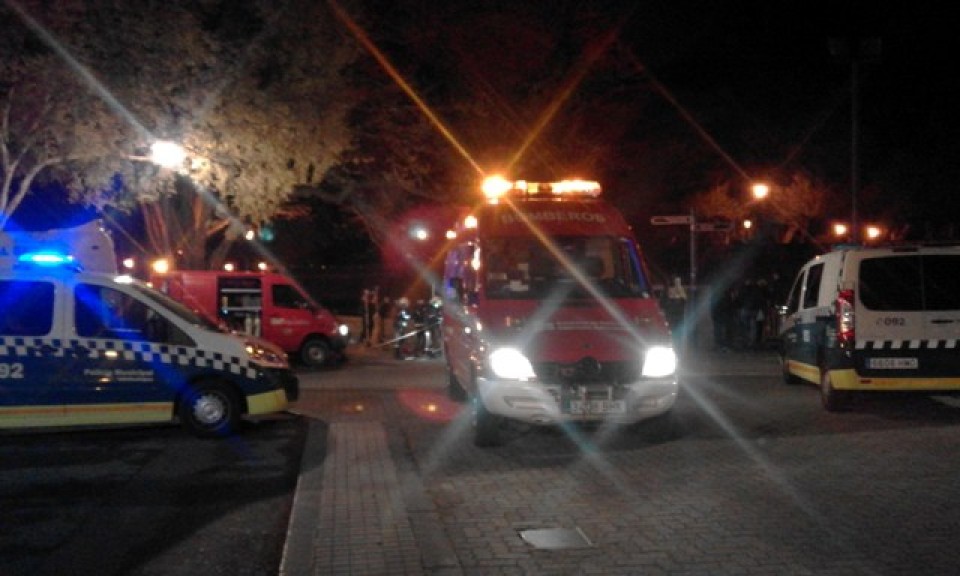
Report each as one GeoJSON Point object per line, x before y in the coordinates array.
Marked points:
{"type": "Point", "coordinates": [942, 321]}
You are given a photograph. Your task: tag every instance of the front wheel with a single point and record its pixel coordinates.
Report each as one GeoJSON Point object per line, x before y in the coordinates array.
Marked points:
{"type": "Point", "coordinates": [315, 353]}
{"type": "Point", "coordinates": [209, 410]}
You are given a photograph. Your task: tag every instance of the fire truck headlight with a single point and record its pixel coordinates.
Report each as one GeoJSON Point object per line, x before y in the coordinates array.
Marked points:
{"type": "Point", "coordinates": [659, 361]}
{"type": "Point", "coordinates": [511, 363]}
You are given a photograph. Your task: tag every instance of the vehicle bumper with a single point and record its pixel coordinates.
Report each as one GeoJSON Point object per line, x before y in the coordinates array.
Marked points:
{"type": "Point", "coordinates": [338, 343]}
{"type": "Point", "coordinates": [538, 403]}
{"type": "Point", "coordinates": [287, 381]}
{"type": "Point", "coordinates": [267, 402]}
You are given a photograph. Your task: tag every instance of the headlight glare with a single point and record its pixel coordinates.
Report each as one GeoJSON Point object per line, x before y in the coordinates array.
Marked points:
{"type": "Point", "coordinates": [659, 361]}
{"type": "Point", "coordinates": [511, 363]}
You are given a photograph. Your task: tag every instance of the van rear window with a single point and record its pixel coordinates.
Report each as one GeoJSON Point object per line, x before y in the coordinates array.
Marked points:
{"type": "Point", "coordinates": [891, 283]}
{"type": "Point", "coordinates": [26, 308]}
{"type": "Point", "coordinates": [910, 283]}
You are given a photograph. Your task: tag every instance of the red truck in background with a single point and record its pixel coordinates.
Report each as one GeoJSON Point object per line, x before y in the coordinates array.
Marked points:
{"type": "Point", "coordinates": [269, 305]}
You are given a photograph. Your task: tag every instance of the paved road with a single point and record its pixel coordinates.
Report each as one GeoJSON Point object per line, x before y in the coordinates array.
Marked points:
{"type": "Point", "coordinates": [760, 481]}
{"type": "Point", "coordinates": [149, 500]}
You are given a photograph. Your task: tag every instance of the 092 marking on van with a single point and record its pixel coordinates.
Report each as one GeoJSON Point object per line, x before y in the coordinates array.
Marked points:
{"type": "Point", "coordinates": [80, 348]}
{"type": "Point", "coordinates": [12, 370]}
{"type": "Point", "coordinates": [860, 320]}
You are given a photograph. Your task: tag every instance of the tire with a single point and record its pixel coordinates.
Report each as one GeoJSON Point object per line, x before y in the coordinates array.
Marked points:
{"type": "Point", "coordinates": [315, 353]}
{"type": "Point", "coordinates": [833, 400]}
{"type": "Point", "coordinates": [209, 410]}
{"type": "Point", "coordinates": [486, 426]}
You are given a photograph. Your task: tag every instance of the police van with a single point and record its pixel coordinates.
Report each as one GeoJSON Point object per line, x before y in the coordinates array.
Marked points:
{"type": "Point", "coordinates": [861, 320]}
{"type": "Point", "coordinates": [549, 314]}
{"type": "Point", "coordinates": [79, 348]}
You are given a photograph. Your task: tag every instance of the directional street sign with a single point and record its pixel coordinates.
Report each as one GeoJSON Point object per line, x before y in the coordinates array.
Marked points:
{"type": "Point", "coordinates": [664, 220]}
{"type": "Point", "coordinates": [713, 226]}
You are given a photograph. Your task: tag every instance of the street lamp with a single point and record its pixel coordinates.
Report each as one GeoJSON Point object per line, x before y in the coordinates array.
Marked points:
{"type": "Point", "coordinates": [760, 191]}
{"type": "Point", "coordinates": [167, 154]}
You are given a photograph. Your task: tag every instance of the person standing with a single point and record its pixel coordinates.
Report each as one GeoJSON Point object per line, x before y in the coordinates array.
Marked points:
{"type": "Point", "coordinates": [722, 313]}
{"type": "Point", "coordinates": [364, 320]}
{"type": "Point", "coordinates": [675, 309]}
{"type": "Point", "coordinates": [383, 318]}
{"type": "Point", "coordinates": [370, 316]}
{"type": "Point", "coordinates": [751, 306]}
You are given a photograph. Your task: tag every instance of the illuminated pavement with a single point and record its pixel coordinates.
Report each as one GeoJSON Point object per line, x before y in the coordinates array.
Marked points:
{"type": "Point", "coordinates": [763, 481]}
{"type": "Point", "coordinates": [360, 511]}
{"type": "Point", "coordinates": [357, 509]}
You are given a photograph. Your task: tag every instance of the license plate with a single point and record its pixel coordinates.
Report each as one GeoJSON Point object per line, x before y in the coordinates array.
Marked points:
{"type": "Point", "coordinates": [892, 363]}
{"type": "Point", "coordinates": [597, 407]}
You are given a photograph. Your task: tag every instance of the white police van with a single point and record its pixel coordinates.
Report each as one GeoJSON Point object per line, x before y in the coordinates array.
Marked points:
{"type": "Point", "coordinates": [863, 320]}
{"type": "Point", "coordinates": [80, 348]}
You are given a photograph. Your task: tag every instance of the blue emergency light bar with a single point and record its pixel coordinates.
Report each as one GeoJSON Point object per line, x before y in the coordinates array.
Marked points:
{"type": "Point", "coordinates": [47, 259]}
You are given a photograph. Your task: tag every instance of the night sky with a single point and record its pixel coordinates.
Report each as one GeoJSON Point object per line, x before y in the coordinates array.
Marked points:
{"type": "Point", "coordinates": [768, 88]}
{"type": "Point", "coordinates": [756, 88]}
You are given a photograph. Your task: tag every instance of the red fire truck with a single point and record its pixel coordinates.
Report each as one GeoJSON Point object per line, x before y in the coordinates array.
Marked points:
{"type": "Point", "coordinates": [549, 314]}
{"type": "Point", "coordinates": [264, 304]}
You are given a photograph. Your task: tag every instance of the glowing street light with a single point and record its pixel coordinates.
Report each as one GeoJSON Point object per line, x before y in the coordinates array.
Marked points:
{"type": "Point", "coordinates": [167, 154]}
{"type": "Point", "coordinates": [873, 232]}
{"type": "Point", "coordinates": [420, 233]}
{"type": "Point", "coordinates": [840, 229]}
{"type": "Point", "coordinates": [760, 190]}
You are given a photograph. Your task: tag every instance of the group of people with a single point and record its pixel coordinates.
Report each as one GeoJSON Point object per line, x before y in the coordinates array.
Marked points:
{"type": "Point", "coordinates": [386, 322]}
{"type": "Point", "coordinates": [743, 314]}
{"type": "Point", "coordinates": [377, 315]}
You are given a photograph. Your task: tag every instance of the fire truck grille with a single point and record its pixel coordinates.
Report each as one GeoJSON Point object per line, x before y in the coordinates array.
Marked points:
{"type": "Point", "coordinates": [587, 370]}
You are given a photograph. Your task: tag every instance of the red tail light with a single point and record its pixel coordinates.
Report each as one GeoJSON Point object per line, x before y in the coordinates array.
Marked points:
{"type": "Point", "coordinates": [844, 312]}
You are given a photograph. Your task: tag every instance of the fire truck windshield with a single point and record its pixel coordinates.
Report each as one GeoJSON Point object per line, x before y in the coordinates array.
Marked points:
{"type": "Point", "coordinates": [522, 267]}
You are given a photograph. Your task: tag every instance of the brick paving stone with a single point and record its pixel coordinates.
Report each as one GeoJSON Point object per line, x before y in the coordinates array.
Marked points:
{"type": "Point", "coordinates": [361, 491]}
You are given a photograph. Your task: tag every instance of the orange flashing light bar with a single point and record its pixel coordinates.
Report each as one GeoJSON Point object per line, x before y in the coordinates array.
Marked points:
{"type": "Point", "coordinates": [496, 187]}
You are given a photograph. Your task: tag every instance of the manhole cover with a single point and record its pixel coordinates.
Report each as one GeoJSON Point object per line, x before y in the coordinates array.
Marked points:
{"type": "Point", "coordinates": [556, 538]}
